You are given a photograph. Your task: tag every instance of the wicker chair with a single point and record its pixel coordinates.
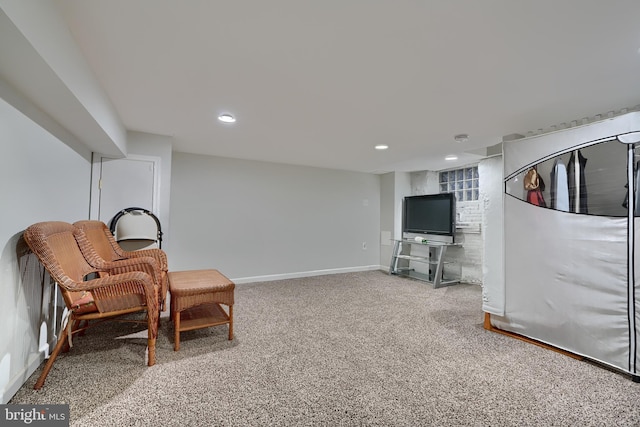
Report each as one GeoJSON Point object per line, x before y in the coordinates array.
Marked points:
{"type": "Point", "coordinates": [124, 290]}
{"type": "Point", "coordinates": [108, 249]}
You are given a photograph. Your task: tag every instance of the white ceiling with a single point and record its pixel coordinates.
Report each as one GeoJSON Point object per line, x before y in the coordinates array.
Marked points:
{"type": "Point", "coordinates": [319, 83]}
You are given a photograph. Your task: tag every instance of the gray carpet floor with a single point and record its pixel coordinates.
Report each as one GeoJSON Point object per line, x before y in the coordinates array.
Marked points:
{"type": "Point", "coordinates": [357, 349]}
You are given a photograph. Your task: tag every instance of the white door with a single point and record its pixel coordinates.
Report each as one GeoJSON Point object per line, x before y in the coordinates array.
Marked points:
{"type": "Point", "coordinates": [124, 183]}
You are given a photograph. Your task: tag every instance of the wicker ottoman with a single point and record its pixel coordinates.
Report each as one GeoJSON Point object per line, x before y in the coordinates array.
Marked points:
{"type": "Point", "coordinates": [195, 301]}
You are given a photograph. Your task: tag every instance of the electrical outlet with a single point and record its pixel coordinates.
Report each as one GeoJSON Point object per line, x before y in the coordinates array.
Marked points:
{"type": "Point", "coordinates": [364, 246]}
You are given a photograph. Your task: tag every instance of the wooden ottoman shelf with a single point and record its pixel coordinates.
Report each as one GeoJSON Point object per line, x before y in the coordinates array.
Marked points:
{"type": "Point", "coordinates": [196, 296]}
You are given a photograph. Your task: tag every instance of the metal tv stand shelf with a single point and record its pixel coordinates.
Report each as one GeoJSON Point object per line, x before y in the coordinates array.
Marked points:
{"type": "Point", "coordinates": [434, 259]}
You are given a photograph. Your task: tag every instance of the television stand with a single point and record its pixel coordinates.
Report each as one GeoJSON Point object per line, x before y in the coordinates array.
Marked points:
{"type": "Point", "coordinates": [431, 256]}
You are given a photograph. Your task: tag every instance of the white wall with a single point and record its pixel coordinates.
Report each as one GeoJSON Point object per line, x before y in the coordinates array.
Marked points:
{"type": "Point", "coordinates": [41, 179]}
{"type": "Point", "coordinates": [424, 182]}
{"type": "Point", "coordinates": [402, 188]}
{"type": "Point", "coordinates": [393, 189]}
{"type": "Point", "coordinates": [259, 221]}
{"type": "Point", "coordinates": [387, 220]}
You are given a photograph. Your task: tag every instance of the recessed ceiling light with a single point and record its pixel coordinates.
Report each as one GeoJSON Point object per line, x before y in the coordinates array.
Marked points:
{"type": "Point", "coordinates": [463, 137]}
{"type": "Point", "coordinates": [226, 118]}
{"type": "Point", "coordinates": [381, 147]}
{"type": "Point", "coordinates": [451, 157]}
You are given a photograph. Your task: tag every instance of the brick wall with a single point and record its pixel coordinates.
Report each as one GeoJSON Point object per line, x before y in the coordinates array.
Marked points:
{"type": "Point", "coordinates": [469, 255]}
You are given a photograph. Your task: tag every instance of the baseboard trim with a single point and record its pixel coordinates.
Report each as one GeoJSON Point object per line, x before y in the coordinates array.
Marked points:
{"type": "Point", "coordinates": [19, 379]}
{"type": "Point", "coordinates": [300, 274]}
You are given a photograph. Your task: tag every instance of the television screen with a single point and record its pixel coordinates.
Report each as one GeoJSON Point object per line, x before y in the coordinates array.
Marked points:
{"type": "Point", "coordinates": [430, 214]}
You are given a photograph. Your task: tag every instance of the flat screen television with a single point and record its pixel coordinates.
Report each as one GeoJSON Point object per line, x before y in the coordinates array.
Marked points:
{"type": "Point", "coordinates": [433, 215]}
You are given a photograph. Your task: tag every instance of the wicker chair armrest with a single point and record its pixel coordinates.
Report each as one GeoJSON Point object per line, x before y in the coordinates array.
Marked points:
{"type": "Point", "coordinates": [145, 264]}
{"type": "Point", "coordinates": [137, 277]}
{"type": "Point", "coordinates": [130, 264]}
{"type": "Point", "coordinates": [158, 254]}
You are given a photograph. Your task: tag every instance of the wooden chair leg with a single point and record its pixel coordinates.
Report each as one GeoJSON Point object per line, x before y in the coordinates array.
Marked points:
{"type": "Point", "coordinates": [82, 324]}
{"type": "Point", "coordinates": [62, 341]}
{"type": "Point", "coordinates": [230, 322]}
{"type": "Point", "coordinates": [176, 333]}
{"type": "Point", "coordinates": [151, 343]}
{"type": "Point", "coordinates": [151, 340]}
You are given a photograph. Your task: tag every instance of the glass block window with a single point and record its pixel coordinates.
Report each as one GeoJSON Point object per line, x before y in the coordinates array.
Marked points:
{"type": "Point", "coordinates": [462, 182]}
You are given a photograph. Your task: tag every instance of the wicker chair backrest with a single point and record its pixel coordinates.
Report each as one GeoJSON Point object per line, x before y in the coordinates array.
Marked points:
{"type": "Point", "coordinates": [98, 234]}
{"type": "Point", "coordinates": [54, 243]}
